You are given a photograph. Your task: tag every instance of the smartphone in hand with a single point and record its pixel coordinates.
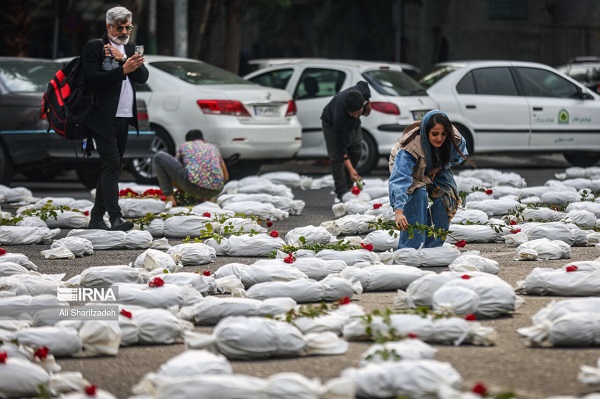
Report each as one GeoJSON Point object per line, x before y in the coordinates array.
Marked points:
{"type": "Point", "coordinates": [139, 50]}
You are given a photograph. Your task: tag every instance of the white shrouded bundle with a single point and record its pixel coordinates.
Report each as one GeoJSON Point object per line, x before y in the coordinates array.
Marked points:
{"type": "Point", "coordinates": [101, 239]}
{"type": "Point", "coordinates": [543, 249]}
{"type": "Point", "coordinates": [546, 281]}
{"type": "Point", "coordinates": [259, 185]}
{"type": "Point", "coordinates": [313, 268]}
{"type": "Point", "coordinates": [382, 240]}
{"type": "Point", "coordinates": [257, 245]}
{"type": "Point", "coordinates": [419, 378]}
{"type": "Point", "coordinates": [140, 207]}
{"type": "Point", "coordinates": [353, 206]}
{"type": "Point", "coordinates": [466, 183]}
{"type": "Point", "coordinates": [471, 233]}
{"type": "Point", "coordinates": [469, 215]}
{"type": "Point", "coordinates": [19, 259]}
{"type": "Point", "coordinates": [68, 220]}
{"type": "Point", "coordinates": [330, 289]}
{"type": "Point", "coordinates": [10, 268]}
{"type": "Point", "coordinates": [582, 218]}
{"type": "Point", "coordinates": [309, 183]}
{"type": "Point", "coordinates": [494, 207]}
{"type": "Point", "coordinates": [61, 341]}
{"type": "Point", "coordinates": [101, 276]}
{"type": "Point", "coordinates": [239, 225]}
{"type": "Point", "coordinates": [286, 204]}
{"type": "Point", "coordinates": [311, 234]}
{"type": "Point", "coordinates": [350, 225]}
{"type": "Point", "coordinates": [350, 257]}
{"type": "Point", "coordinates": [542, 214]}
{"type": "Point", "coordinates": [220, 245]}
{"type": "Point", "coordinates": [572, 329]}
{"type": "Point", "coordinates": [471, 262]}
{"type": "Point", "coordinates": [193, 253]}
{"type": "Point", "coordinates": [157, 297]}
{"type": "Point", "coordinates": [79, 246]}
{"type": "Point", "coordinates": [255, 274]}
{"type": "Point", "coordinates": [334, 321]}
{"type": "Point", "coordinates": [566, 232]}
{"type": "Point", "coordinates": [560, 197]}
{"type": "Point", "coordinates": [98, 337]}
{"type": "Point", "coordinates": [424, 257]}
{"type": "Point", "coordinates": [152, 259]}
{"type": "Point", "coordinates": [256, 208]}
{"type": "Point", "coordinates": [478, 196]}
{"type": "Point", "coordinates": [556, 309]}
{"type": "Point", "coordinates": [21, 378]}
{"type": "Point", "coordinates": [150, 326]}
{"type": "Point", "coordinates": [240, 337]}
{"type": "Point", "coordinates": [31, 284]}
{"type": "Point", "coordinates": [449, 331]}
{"type": "Point", "coordinates": [515, 239]}
{"type": "Point", "coordinates": [235, 386]}
{"type": "Point", "coordinates": [593, 207]}
{"type": "Point", "coordinates": [405, 349]}
{"type": "Point", "coordinates": [18, 235]}
{"type": "Point", "coordinates": [100, 394]}
{"type": "Point", "coordinates": [361, 196]}
{"type": "Point", "coordinates": [376, 191]}
{"type": "Point", "coordinates": [25, 306]}
{"type": "Point", "coordinates": [420, 292]}
{"type": "Point", "coordinates": [138, 239]}
{"type": "Point", "coordinates": [383, 277]}
{"type": "Point", "coordinates": [199, 282]}
{"type": "Point", "coordinates": [58, 252]}
{"type": "Point", "coordinates": [212, 309]}
{"type": "Point", "coordinates": [211, 208]}
{"type": "Point", "coordinates": [289, 179]}
{"type": "Point", "coordinates": [590, 375]}
{"type": "Point", "coordinates": [178, 226]}
{"type": "Point", "coordinates": [17, 193]}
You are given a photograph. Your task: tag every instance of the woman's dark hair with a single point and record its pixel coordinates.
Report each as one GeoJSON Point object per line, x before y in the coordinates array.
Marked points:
{"type": "Point", "coordinates": [193, 135]}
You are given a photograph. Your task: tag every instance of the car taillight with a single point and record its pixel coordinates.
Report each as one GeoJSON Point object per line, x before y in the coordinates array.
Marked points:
{"type": "Point", "coordinates": [386, 108]}
{"type": "Point", "coordinates": [223, 107]}
{"type": "Point", "coordinates": [142, 116]}
{"type": "Point", "coordinates": [291, 109]}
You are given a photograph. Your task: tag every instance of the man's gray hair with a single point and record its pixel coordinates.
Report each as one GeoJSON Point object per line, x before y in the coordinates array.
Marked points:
{"type": "Point", "coordinates": [118, 15]}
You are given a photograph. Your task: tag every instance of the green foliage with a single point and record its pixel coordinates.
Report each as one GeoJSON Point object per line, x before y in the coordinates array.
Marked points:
{"type": "Point", "coordinates": [342, 245]}
{"type": "Point", "coordinates": [47, 211]}
{"type": "Point", "coordinates": [430, 231]}
{"type": "Point", "coordinates": [149, 217]}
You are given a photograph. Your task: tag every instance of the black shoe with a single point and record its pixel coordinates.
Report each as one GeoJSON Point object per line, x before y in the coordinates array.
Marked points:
{"type": "Point", "coordinates": [98, 225]}
{"type": "Point", "coordinates": [121, 225]}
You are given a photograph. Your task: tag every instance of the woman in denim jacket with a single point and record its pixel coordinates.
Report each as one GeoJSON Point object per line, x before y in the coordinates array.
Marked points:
{"type": "Point", "coordinates": [420, 171]}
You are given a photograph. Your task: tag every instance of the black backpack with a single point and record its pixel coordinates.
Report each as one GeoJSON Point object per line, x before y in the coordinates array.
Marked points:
{"type": "Point", "coordinates": [66, 101]}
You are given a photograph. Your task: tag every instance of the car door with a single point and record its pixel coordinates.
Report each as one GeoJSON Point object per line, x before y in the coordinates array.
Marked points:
{"type": "Point", "coordinates": [312, 92]}
{"type": "Point", "coordinates": [560, 118]}
{"type": "Point", "coordinates": [493, 107]}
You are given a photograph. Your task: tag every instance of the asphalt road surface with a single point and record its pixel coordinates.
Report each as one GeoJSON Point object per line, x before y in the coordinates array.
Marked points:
{"type": "Point", "coordinates": [509, 365]}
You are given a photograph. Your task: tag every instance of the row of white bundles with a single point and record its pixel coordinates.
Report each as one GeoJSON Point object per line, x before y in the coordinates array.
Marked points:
{"type": "Point", "coordinates": [285, 204]}
{"type": "Point", "coordinates": [312, 267]}
{"type": "Point", "coordinates": [573, 279]}
{"type": "Point", "coordinates": [21, 235]}
{"type": "Point", "coordinates": [424, 257]}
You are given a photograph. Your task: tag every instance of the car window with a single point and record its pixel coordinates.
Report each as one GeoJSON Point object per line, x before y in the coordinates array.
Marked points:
{"type": "Point", "coordinates": [24, 76]}
{"type": "Point", "coordinates": [319, 82]}
{"type": "Point", "coordinates": [579, 73]}
{"type": "Point", "coordinates": [393, 83]}
{"type": "Point", "coordinates": [198, 73]}
{"type": "Point", "coordinates": [429, 77]}
{"type": "Point", "coordinates": [543, 83]}
{"type": "Point", "coordinates": [277, 79]}
{"type": "Point", "coordinates": [466, 85]}
{"type": "Point", "coordinates": [494, 81]}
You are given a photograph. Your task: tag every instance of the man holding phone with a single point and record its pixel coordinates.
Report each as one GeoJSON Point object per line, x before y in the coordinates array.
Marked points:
{"type": "Point", "coordinates": [113, 111]}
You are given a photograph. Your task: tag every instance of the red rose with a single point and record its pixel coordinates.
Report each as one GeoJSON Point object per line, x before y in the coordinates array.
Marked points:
{"type": "Point", "coordinates": [86, 213]}
{"type": "Point", "coordinates": [206, 273]}
{"type": "Point", "coordinates": [274, 233]}
{"type": "Point", "coordinates": [411, 335]}
{"type": "Point", "coordinates": [465, 277]}
{"type": "Point", "coordinates": [460, 244]}
{"type": "Point", "coordinates": [269, 223]}
{"type": "Point", "coordinates": [377, 206]}
{"type": "Point", "coordinates": [470, 317]}
{"type": "Point", "coordinates": [289, 259]}
{"type": "Point", "coordinates": [513, 222]}
{"type": "Point", "coordinates": [479, 389]}
{"type": "Point", "coordinates": [42, 353]}
{"type": "Point", "coordinates": [156, 282]}
{"type": "Point", "coordinates": [3, 356]}
{"type": "Point", "coordinates": [355, 190]}
{"type": "Point", "coordinates": [515, 231]}
{"type": "Point", "coordinates": [163, 198]}
{"type": "Point", "coordinates": [571, 268]}
{"type": "Point", "coordinates": [90, 390]}
{"type": "Point", "coordinates": [344, 301]}
{"type": "Point", "coordinates": [489, 192]}
{"type": "Point", "coordinates": [126, 313]}
{"type": "Point", "coordinates": [368, 247]}
{"type": "Point", "coordinates": [2, 251]}
{"type": "Point", "coordinates": [206, 214]}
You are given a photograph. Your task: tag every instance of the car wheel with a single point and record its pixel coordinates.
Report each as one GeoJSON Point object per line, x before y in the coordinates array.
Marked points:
{"type": "Point", "coordinates": [141, 168]}
{"type": "Point", "coordinates": [370, 156]}
{"type": "Point", "coordinates": [7, 169]}
{"type": "Point", "coordinates": [582, 159]}
{"type": "Point", "coordinates": [88, 172]}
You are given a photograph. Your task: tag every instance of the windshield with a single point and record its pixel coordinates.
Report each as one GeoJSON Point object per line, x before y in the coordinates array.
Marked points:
{"type": "Point", "coordinates": [27, 77]}
{"type": "Point", "coordinates": [199, 73]}
{"type": "Point", "coordinates": [431, 76]}
{"type": "Point", "coordinates": [393, 83]}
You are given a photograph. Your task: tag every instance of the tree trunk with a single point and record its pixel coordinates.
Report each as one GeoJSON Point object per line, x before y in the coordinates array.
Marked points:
{"type": "Point", "coordinates": [233, 40]}
{"type": "Point", "coordinates": [199, 36]}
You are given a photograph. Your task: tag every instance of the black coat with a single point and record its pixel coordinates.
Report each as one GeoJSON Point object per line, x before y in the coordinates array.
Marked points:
{"type": "Point", "coordinates": [106, 85]}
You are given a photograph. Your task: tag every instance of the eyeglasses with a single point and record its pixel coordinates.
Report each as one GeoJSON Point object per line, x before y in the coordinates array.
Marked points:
{"type": "Point", "coordinates": [128, 28]}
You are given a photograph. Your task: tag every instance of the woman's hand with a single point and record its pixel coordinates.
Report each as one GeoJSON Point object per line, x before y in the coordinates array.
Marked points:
{"type": "Point", "coordinates": [401, 221]}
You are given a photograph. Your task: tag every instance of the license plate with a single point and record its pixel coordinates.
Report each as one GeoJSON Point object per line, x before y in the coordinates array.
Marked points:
{"type": "Point", "coordinates": [266, 111]}
{"type": "Point", "coordinates": [418, 115]}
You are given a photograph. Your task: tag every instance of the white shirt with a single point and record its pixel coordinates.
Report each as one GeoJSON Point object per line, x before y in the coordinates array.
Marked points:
{"type": "Point", "coordinates": [125, 108]}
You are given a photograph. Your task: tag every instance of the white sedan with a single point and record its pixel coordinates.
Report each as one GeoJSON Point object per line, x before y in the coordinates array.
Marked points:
{"type": "Point", "coordinates": [518, 107]}
{"type": "Point", "coordinates": [249, 124]}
